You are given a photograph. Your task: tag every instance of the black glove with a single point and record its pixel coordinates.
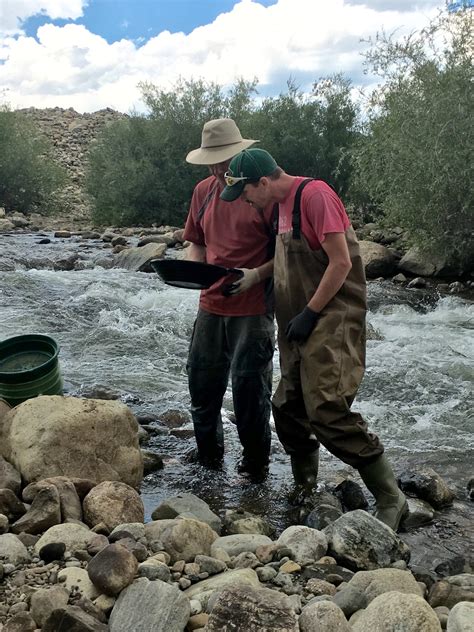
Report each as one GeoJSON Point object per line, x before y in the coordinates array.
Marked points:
{"type": "Point", "coordinates": [300, 327]}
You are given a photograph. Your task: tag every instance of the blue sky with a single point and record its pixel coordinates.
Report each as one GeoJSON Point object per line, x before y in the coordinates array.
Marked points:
{"type": "Point", "coordinates": [141, 19]}
{"type": "Point", "coordinates": [92, 54]}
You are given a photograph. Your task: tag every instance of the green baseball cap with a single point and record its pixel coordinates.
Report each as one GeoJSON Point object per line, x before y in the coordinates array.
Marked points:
{"type": "Point", "coordinates": [248, 166]}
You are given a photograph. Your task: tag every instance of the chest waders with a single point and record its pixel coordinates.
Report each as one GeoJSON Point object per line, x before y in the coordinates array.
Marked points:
{"type": "Point", "coordinates": [320, 377]}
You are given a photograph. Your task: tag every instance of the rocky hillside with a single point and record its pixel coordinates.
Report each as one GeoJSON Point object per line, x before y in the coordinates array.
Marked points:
{"type": "Point", "coordinates": [71, 134]}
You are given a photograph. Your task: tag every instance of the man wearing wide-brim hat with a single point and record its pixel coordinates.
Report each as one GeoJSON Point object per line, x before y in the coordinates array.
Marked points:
{"type": "Point", "coordinates": [234, 332]}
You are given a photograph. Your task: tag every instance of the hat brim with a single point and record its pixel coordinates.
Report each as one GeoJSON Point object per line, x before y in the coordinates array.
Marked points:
{"type": "Point", "coordinates": [215, 155]}
{"type": "Point", "coordinates": [230, 194]}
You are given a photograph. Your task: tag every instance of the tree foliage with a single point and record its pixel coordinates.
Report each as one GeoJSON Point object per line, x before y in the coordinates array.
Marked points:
{"type": "Point", "coordinates": [138, 173]}
{"type": "Point", "coordinates": [415, 160]}
{"type": "Point", "coordinates": [29, 177]}
{"type": "Point", "coordinates": [137, 169]}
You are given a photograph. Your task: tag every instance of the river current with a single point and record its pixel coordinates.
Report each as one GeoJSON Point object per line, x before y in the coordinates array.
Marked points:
{"type": "Point", "coordinates": [129, 332]}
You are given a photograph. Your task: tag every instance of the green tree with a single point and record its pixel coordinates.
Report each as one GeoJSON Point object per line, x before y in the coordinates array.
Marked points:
{"type": "Point", "coordinates": [310, 134]}
{"type": "Point", "coordinates": [415, 161]}
{"type": "Point", "coordinates": [137, 170]}
{"type": "Point", "coordinates": [29, 177]}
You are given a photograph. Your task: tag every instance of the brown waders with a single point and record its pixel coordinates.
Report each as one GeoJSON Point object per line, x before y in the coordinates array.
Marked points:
{"type": "Point", "coordinates": [320, 377]}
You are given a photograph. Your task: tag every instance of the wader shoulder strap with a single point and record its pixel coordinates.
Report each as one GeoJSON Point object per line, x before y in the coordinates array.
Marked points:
{"type": "Point", "coordinates": [271, 228]}
{"type": "Point", "coordinates": [207, 201]}
{"type": "Point", "coordinates": [296, 219]}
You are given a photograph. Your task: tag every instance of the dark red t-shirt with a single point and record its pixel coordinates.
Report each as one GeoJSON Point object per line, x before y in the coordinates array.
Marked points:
{"type": "Point", "coordinates": [235, 235]}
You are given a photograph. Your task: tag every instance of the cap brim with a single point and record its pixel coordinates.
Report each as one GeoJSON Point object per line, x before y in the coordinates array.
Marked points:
{"type": "Point", "coordinates": [230, 194]}
{"type": "Point", "coordinates": [215, 155]}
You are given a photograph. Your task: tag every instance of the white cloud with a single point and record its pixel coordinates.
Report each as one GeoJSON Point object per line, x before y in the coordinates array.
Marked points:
{"type": "Point", "coordinates": [70, 66]}
{"type": "Point", "coordinates": [14, 12]}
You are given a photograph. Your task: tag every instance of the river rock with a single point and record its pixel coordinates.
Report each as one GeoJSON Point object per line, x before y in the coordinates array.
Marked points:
{"type": "Point", "coordinates": [92, 438]}
{"type": "Point", "coordinates": [72, 619]}
{"type": "Point", "coordinates": [150, 607]}
{"type": "Point", "coordinates": [12, 550]}
{"type": "Point", "coordinates": [378, 260]}
{"type": "Point", "coordinates": [240, 521]}
{"type": "Point", "coordinates": [321, 516]}
{"type": "Point", "coordinates": [138, 259]}
{"type": "Point", "coordinates": [375, 583]}
{"type": "Point", "coordinates": [323, 616]}
{"type": "Point", "coordinates": [153, 569]}
{"type": "Point", "coordinates": [181, 538]}
{"type": "Point", "coordinates": [252, 610]}
{"type": "Point", "coordinates": [397, 611]}
{"type": "Point", "coordinates": [4, 524]}
{"type": "Point", "coordinates": [420, 512]}
{"type": "Point", "coordinates": [54, 551]}
{"type": "Point", "coordinates": [419, 264]}
{"type": "Point", "coordinates": [76, 537]}
{"type": "Point", "coordinates": [304, 543]}
{"type": "Point", "coordinates": [461, 617]}
{"type": "Point", "coordinates": [6, 225]}
{"type": "Point", "coordinates": [361, 542]}
{"type": "Point", "coordinates": [210, 565]}
{"type": "Point", "coordinates": [166, 239]}
{"type": "Point", "coordinates": [20, 622]}
{"type": "Point", "coordinates": [351, 495]}
{"type": "Point", "coordinates": [10, 477]}
{"type": "Point", "coordinates": [45, 600]}
{"type": "Point", "coordinates": [82, 486]}
{"type": "Point", "coordinates": [443, 593]}
{"type": "Point", "coordinates": [237, 577]}
{"type": "Point", "coordinates": [135, 529]}
{"type": "Point", "coordinates": [112, 503]}
{"type": "Point", "coordinates": [112, 569]}
{"type": "Point", "coordinates": [10, 505]}
{"type": "Point", "coordinates": [44, 513]}
{"type": "Point", "coordinates": [239, 543]}
{"type": "Point", "coordinates": [187, 503]}
{"type": "Point", "coordinates": [69, 501]}
{"type": "Point", "coordinates": [74, 577]}
{"type": "Point", "coordinates": [428, 485]}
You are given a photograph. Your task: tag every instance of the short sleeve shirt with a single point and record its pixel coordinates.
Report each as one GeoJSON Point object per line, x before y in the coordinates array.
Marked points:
{"type": "Point", "coordinates": [235, 235]}
{"type": "Point", "coordinates": [322, 212]}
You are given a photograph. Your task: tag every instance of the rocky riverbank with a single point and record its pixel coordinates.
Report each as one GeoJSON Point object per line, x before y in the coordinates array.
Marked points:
{"type": "Point", "coordinates": [76, 554]}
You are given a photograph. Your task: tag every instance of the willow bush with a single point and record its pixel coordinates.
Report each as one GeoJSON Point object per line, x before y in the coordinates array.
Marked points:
{"type": "Point", "coordinates": [415, 161]}
{"type": "Point", "coordinates": [29, 177]}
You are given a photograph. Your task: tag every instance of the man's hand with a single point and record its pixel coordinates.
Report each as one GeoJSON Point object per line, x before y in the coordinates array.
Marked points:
{"type": "Point", "coordinates": [300, 327]}
{"type": "Point", "coordinates": [249, 278]}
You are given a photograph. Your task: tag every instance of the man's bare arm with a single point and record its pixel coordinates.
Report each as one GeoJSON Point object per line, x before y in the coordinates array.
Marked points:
{"type": "Point", "coordinates": [335, 246]}
{"type": "Point", "coordinates": [194, 252]}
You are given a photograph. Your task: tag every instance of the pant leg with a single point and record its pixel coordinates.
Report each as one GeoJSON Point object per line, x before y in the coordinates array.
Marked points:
{"type": "Point", "coordinates": [329, 385]}
{"type": "Point", "coordinates": [289, 411]}
{"type": "Point", "coordinates": [251, 339]}
{"type": "Point", "coordinates": [208, 372]}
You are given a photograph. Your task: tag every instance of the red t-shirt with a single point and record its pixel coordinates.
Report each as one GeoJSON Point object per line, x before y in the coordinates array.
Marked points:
{"type": "Point", "coordinates": [322, 212]}
{"type": "Point", "coordinates": [235, 235]}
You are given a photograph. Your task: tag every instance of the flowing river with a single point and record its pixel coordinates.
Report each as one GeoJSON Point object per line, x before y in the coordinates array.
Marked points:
{"type": "Point", "coordinates": [129, 332]}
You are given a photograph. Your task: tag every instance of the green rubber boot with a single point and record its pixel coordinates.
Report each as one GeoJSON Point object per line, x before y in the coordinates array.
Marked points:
{"type": "Point", "coordinates": [305, 471]}
{"type": "Point", "coordinates": [390, 503]}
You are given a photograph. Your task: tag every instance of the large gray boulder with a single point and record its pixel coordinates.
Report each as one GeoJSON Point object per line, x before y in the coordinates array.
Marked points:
{"type": "Point", "coordinates": [252, 610]}
{"type": "Point", "coordinates": [138, 259]}
{"type": "Point", "coordinates": [239, 543]}
{"type": "Point", "coordinates": [181, 538]}
{"type": "Point", "coordinates": [374, 583]}
{"type": "Point", "coordinates": [397, 611]}
{"type": "Point", "coordinates": [359, 541]}
{"type": "Point", "coordinates": [150, 607]}
{"type": "Point", "coordinates": [377, 259]}
{"type": "Point", "coordinates": [75, 537]}
{"type": "Point", "coordinates": [304, 543]}
{"type": "Point", "coordinates": [86, 438]}
{"type": "Point", "coordinates": [236, 577]}
{"type": "Point", "coordinates": [323, 616]}
{"type": "Point", "coordinates": [188, 504]}
{"type": "Point", "coordinates": [112, 503]}
{"type": "Point", "coordinates": [461, 617]}
{"type": "Point", "coordinates": [12, 550]}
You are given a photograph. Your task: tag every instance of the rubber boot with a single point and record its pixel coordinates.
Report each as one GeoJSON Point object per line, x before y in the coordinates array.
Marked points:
{"type": "Point", "coordinates": [390, 503]}
{"type": "Point", "coordinates": [305, 473]}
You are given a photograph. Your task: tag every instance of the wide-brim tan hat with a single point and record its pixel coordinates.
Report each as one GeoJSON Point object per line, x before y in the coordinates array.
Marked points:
{"type": "Point", "coordinates": [221, 140]}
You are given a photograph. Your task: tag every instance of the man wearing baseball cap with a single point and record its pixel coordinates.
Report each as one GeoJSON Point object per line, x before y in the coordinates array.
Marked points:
{"type": "Point", "coordinates": [320, 304]}
{"type": "Point", "coordinates": [234, 330]}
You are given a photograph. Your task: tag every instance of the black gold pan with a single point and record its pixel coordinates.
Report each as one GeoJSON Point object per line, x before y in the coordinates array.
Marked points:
{"type": "Point", "coordinates": [192, 275]}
